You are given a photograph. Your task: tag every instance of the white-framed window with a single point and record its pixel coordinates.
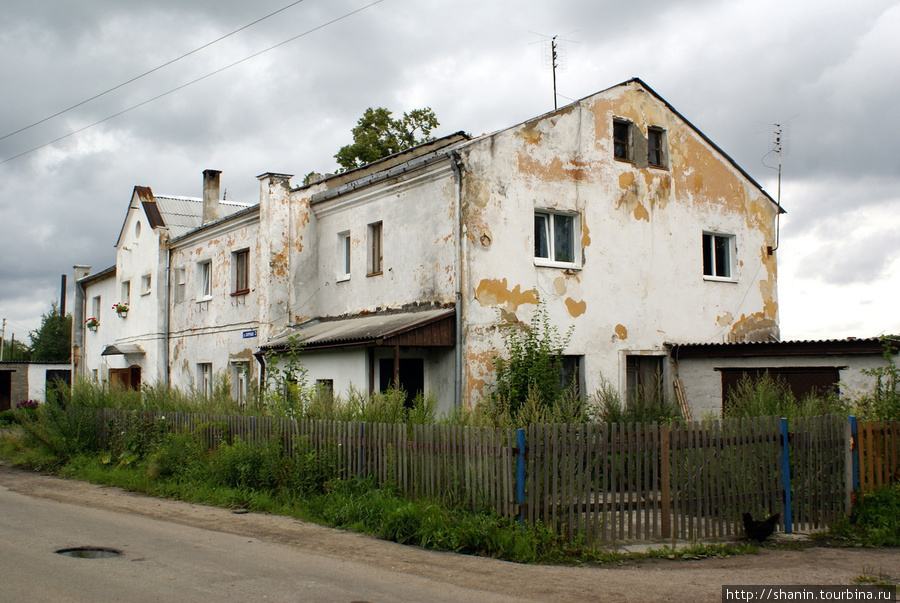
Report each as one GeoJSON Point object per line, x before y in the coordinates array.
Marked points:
{"type": "Point", "coordinates": [657, 148]}
{"type": "Point", "coordinates": [145, 284]}
{"type": "Point", "coordinates": [343, 255]}
{"type": "Point", "coordinates": [95, 307]}
{"type": "Point", "coordinates": [555, 238]}
{"type": "Point", "coordinates": [240, 262]}
{"type": "Point", "coordinates": [204, 280]}
{"type": "Point", "coordinates": [623, 146]}
{"type": "Point", "coordinates": [374, 254]}
{"type": "Point", "coordinates": [125, 298]}
{"type": "Point", "coordinates": [718, 256]}
{"type": "Point", "coordinates": [180, 284]}
{"type": "Point", "coordinates": [239, 377]}
{"type": "Point", "coordinates": [204, 378]}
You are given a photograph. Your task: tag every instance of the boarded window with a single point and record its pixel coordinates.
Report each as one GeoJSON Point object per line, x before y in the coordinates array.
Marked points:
{"type": "Point", "coordinates": [375, 249]}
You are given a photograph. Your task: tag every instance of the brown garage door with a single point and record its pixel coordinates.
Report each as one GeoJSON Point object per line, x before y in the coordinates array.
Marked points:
{"type": "Point", "coordinates": [802, 380]}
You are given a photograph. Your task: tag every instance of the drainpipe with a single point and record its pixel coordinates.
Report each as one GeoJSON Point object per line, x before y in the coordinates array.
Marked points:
{"type": "Point", "coordinates": [78, 318]}
{"type": "Point", "coordinates": [166, 314]}
{"type": "Point", "coordinates": [457, 381]}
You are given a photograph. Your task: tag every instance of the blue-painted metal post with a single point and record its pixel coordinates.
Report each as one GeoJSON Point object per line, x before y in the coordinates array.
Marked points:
{"type": "Point", "coordinates": [786, 475]}
{"type": "Point", "coordinates": [854, 456]}
{"type": "Point", "coordinates": [520, 474]}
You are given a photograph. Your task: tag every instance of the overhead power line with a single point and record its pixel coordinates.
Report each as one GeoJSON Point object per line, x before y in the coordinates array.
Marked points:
{"type": "Point", "coordinates": [190, 83]}
{"type": "Point", "coordinates": [146, 73]}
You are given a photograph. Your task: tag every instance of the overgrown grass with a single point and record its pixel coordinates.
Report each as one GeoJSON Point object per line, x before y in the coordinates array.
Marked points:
{"type": "Point", "coordinates": [769, 397]}
{"type": "Point", "coordinates": [875, 520]}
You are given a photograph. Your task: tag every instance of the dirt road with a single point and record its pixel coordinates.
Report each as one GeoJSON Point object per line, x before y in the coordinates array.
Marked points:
{"type": "Point", "coordinates": [689, 581]}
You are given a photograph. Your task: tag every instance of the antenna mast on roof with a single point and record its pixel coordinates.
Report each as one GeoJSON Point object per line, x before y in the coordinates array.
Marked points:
{"type": "Point", "coordinates": [780, 147]}
{"type": "Point", "coordinates": [554, 57]}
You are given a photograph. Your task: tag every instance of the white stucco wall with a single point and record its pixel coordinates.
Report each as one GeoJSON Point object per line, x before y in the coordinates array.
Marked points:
{"type": "Point", "coordinates": [639, 278]}
{"type": "Point", "coordinates": [223, 327]}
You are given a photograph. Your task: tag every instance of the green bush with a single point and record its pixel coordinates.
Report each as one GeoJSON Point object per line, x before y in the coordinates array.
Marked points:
{"type": "Point", "coordinates": [768, 397]}
{"type": "Point", "coordinates": [875, 520]}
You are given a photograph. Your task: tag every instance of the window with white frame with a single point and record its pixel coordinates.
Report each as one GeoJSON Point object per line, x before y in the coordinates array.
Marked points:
{"type": "Point", "coordinates": [125, 298]}
{"type": "Point", "coordinates": [180, 284]}
{"type": "Point", "coordinates": [239, 377]}
{"type": "Point", "coordinates": [343, 255]}
{"type": "Point", "coordinates": [718, 256]}
{"type": "Point", "coordinates": [240, 261]}
{"type": "Point", "coordinates": [555, 238]}
{"type": "Point", "coordinates": [95, 307]}
{"type": "Point", "coordinates": [374, 259]}
{"type": "Point", "coordinates": [204, 378]}
{"type": "Point", "coordinates": [204, 280]}
{"type": "Point", "coordinates": [145, 284]}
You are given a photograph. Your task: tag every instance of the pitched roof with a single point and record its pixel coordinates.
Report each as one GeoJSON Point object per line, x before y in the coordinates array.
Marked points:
{"type": "Point", "coordinates": [183, 214]}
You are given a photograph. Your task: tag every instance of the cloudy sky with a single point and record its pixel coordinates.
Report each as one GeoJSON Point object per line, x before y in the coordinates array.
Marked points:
{"type": "Point", "coordinates": [826, 69]}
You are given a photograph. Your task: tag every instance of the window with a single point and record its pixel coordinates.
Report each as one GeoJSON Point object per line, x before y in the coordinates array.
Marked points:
{"type": "Point", "coordinates": [656, 147]}
{"type": "Point", "coordinates": [145, 284]}
{"type": "Point", "coordinates": [95, 307]}
{"type": "Point", "coordinates": [373, 266]}
{"type": "Point", "coordinates": [179, 285]}
{"type": "Point", "coordinates": [204, 379]}
{"type": "Point", "coordinates": [644, 382]}
{"type": "Point", "coordinates": [343, 255]}
{"type": "Point", "coordinates": [325, 387]}
{"type": "Point", "coordinates": [204, 282]}
{"type": "Point", "coordinates": [622, 147]}
{"type": "Point", "coordinates": [718, 251]}
{"type": "Point", "coordinates": [126, 293]}
{"type": "Point", "coordinates": [240, 261]}
{"type": "Point", "coordinates": [554, 238]}
{"type": "Point", "coordinates": [239, 375]}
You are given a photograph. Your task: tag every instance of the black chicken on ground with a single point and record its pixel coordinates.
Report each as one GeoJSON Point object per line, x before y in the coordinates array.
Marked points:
{"type": "Point", "coordinates": [760, 530]}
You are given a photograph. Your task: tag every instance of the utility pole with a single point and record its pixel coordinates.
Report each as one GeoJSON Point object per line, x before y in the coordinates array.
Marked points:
{"type": "Point", "coordinates": [553, 65]}
{"type": "Point", "coordinates": [2, 338]}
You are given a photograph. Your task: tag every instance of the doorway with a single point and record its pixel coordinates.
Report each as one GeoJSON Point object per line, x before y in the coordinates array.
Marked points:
{"type": "Point", "coordinates": [411, 376]}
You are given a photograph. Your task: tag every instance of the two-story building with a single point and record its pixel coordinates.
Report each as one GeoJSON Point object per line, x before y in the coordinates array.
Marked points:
{"type": "Point", "coordinates": [615, 211]}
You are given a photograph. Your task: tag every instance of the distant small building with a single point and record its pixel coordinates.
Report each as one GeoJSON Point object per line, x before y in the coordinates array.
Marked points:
{"type": "Point", "coordinates": [21, 381]}
{"type": "Point", "coordinates": [711, 371]}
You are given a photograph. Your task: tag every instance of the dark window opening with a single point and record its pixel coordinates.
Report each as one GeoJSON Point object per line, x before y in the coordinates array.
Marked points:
{"type": "Point", "coordinates": [803, 381]}
{"type": "Point", "coordinates": [656, 155]}
{"type": "Point", "coordinates": [411, 377]}
{"type": "Point", "coordinates": [622, 139]}
{"type": "Point", "coordinates": [644, 379]}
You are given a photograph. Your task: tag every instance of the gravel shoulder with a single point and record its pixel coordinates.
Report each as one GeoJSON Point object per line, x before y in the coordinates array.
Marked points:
{"type": "Point", "coordinates": [657, 580]}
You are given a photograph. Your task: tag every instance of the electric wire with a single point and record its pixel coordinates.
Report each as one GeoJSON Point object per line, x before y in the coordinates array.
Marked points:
{"type": "Point", "coordinates": [146, 73]}
{"type": "Point", "coordinates": [190, 83]}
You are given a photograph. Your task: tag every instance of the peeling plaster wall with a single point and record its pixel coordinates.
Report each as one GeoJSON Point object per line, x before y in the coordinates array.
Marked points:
{"type": "Point", "coordinates": [417, 213]}
{"type": "Point", "coordinates": [210, 329]}
{"type": "Point", "coordinates": [94, 365]}
{"type": "Point", "coordinates": [640, 280]}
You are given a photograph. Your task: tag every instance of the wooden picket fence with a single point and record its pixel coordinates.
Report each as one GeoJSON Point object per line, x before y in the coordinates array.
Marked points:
{"type": "Point", "coordinates": [878, 446]}
{"type": "Point", "coordinates": [606, 482]}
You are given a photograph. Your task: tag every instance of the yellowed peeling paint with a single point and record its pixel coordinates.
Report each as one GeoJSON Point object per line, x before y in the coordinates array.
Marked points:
{"type": "Point", "coordinates": [559, 285]}
{"type": "Point", "coordinates": [641, 213]}
{"type": "Point", "coordinates": [626, 179]}
{"type": "Point", "coordinates": [529, 134]}
{"type": "Point", "coordinates": [621, 332]}
{"type": "Point", "coordinates": [555, 171]}
{"type": "Point", "coordinates": [576, 308]}
{"type": "Point", "coordinates": [725, 319]}
{"type": "Point", "coordinates": [493, 293]}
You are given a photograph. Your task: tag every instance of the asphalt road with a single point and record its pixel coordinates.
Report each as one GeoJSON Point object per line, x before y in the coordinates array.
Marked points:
{"type": "Point", "coordinates": [164, 561]}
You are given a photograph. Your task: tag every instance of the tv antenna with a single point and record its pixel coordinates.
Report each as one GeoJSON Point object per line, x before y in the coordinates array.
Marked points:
{"type": "Point", "coordinates": [781, 147]}
{"type": "Point", "coordinates": [554, 56]}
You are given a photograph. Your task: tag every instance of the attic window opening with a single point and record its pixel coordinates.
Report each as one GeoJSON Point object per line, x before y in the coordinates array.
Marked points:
{"type": "Point", "coordinates": [622, 146]}
{"type": "Point", "coordinates": [554, 239]}
{"type": "Point", "coordinates": [656, 147]}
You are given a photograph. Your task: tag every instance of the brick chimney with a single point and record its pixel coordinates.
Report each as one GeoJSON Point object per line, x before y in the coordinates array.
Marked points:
{"type": "Point", "coordinates": [211, 209]}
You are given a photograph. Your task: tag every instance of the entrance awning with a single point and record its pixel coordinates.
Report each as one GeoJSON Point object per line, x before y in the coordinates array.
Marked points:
{"type": "Point", "coordinates": [125, 349]}
{"type": "Point", "coordinates": [424, 328]}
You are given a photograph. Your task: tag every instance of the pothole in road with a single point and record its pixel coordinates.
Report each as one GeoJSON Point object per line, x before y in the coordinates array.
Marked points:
{"type": "Point", "coordinates": [89, 552]}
